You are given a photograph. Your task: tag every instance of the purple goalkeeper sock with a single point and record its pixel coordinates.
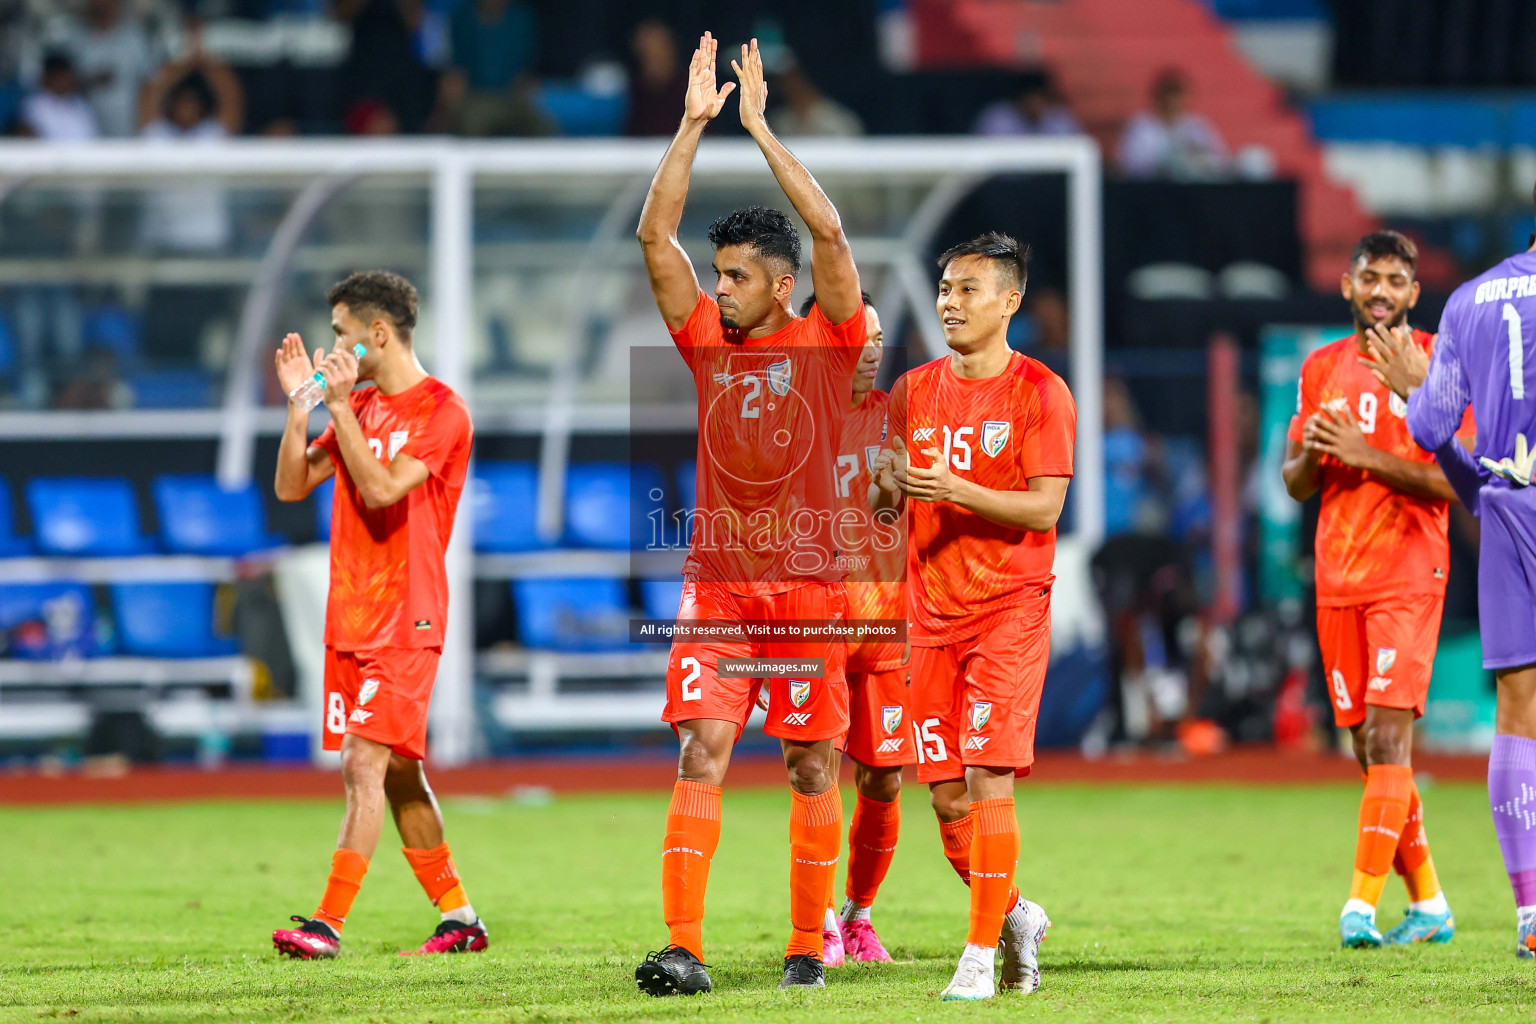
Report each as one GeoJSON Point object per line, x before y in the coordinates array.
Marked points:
{"type": "Point", "coordinates": [1512, 798]}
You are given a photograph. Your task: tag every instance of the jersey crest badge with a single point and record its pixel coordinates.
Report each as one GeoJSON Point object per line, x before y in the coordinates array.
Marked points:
{"type": "Point", "coordinates": [994, 436]}
{"type": "Point", "coordinates": [1385, 658]}
{"type": "Point", "coordinates": [871, 453]}
{"type": "Point", "coordinates": [778, 376]}
{"type": "Point", "coordinates": [890, 717]}
{"type": "Point", "coordinates": [370, 687]}
{"type": "Point", "coordinates": [981, 714]}
{"type": "Point", "coordinates": [397, 439]}
{"type": "Point", "coordinates": [1398, 406]}
{"type": "Point", "coordinates": [799, 692]}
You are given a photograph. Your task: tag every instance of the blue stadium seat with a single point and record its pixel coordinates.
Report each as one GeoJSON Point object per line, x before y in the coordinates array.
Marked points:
{"type": "Point", "coordinates": [506, 496]}
{"type": "Point", "coordinates": [66, 612]}
{"type": "Point", "coordinates": [661, 598]}
{"type": "Point", "coordinates": [571, 613]}
{"type": "Point", "coordinates": [578, 112]}
{"type": "Point", "coordinates": [325, 494]}
{"type": "Point", "coordinates": [1409, 120]}
{"type": "Point", "coordinates": [168, 620]}
{"type": "Point", "coordinates": [599, 512]}
{"type": "Point", "coordinates": [199, 517]}
{"type": "Point", "coordinates": [11, 545]}
{"type": "Point", "coordinates": [180, 388]}
{"type": "Point", "coordinates": [85, 516]}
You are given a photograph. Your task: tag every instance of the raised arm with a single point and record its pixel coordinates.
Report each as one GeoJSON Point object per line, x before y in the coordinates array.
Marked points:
{"type": "Point", "coordinates": [300, 468]}
{"type": "Point", "coordinates": [673, 281]}
{"type": "Point", "coordinates": [833, 273]}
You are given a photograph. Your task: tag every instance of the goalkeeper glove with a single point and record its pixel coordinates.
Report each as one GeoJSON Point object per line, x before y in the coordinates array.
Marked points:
{"type": "Point", "coordinates": [1517, 470]}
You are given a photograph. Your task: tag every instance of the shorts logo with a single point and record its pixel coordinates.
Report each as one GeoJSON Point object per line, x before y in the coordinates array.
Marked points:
{"type": "Point", "coordinates": [778, 376]}
{"type": "Point", "coordinates": [397, 439]}
{"type": "Point", "coordinates": [1379, 684]}
{"type": "Point", "coordinates": [799, 692]}
{"type": "Point", "coordinates": [360, 716]}
{"type": "Point", "coordinates": [890, 745]}
{"type": "Point", "coordinates": [890, 717]}
{"type": "Point", "coordinates": [981, 714]}
{"type": "Point", "coordinates": [994, 435]}
{"type": "Point", "coordinates": [977, 742]}
{"type": "Point", "coordinates": [797, 718]}
{"type": "Point", "coordinates": [370, 687]}
{"type": "Point", "coordinates": [423, 623]}
{"type": "Point", "coordinates": [923, 434]}
{"type": "Point", "coordinates": [1385, 658]}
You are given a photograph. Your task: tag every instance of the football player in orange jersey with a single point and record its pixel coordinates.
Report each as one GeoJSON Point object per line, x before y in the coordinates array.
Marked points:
{"type": "Point", "coordinates": [771, 390]}
{"type": "Point", "coordinates": [399, 452]}
{"type": "Point", "coordinates": [980, 458]}
{"type": "Point", "coordinates": [877, 738]}
{"type": "Point", "coordinates": [1382, 560]}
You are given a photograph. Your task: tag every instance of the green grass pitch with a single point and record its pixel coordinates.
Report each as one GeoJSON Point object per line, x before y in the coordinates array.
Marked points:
{"type": "Point", "coordinates": [1170, 904]}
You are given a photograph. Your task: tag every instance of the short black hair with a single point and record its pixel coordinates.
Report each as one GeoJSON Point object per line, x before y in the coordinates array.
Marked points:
{"type": "Point", "coordinates": [196, 83]}
{"type": "Point", "coordinates": [1009, 257]}
{"type": "Point", "coordinates": [57, 62]}
{"type": "Point", "coordinates": [810, 300]}
{"type": "Point", "coordinates": [1384, 244]}
{"type": "Point", "coordinates": [769, 232]}
{"type": "Point", "coordinates": [369, 293]}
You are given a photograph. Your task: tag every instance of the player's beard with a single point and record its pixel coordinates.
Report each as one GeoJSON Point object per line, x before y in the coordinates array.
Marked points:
{"type": "Point", "coordinates": [729, 323]}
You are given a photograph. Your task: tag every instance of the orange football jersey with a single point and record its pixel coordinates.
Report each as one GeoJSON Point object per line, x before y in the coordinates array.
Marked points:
{"type": "Point", "coordinates": [1372, 541]}
{"type": "Point", "coordinates": [770, 419]}
{"type": "Point", "coordinates": [875, 558]}
{"type": "Point", "coordinates": [965, 572]}
{"type": "Point", "coordinates": [389, 587]}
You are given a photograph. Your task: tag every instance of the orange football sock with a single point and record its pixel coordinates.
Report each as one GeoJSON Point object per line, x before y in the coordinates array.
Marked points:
{"type": "Point", "coordinates": [693, 832]}
{"type": "Point", "coordinates": [1383, 813]}
{"type": "Point", "coordinates": [435, 871]}
{"type": "Point", "coordinates": [994, 858]}
{"type": "Point", "coordinates": [815, 838]}
{"type": "Point", "coordinates": [871, 845]}
{"type": "Point", "coordinates": [957, 836]}
{"type": "Point", "coordinates": [347, 870]}
{"type": "Point", "coordinates": [1412, 860]}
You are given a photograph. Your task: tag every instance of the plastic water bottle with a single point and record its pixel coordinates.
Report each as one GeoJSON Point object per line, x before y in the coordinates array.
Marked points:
{"type": "Point", "coordinates": [312, 392]}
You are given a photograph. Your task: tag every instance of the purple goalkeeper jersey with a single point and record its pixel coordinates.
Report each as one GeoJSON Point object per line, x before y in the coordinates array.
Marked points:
{"type": "Point", "coordinates": [1485, 356]}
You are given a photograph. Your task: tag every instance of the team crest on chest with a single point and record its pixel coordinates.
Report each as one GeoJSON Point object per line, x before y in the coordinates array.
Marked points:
{"type": "Point", "coordinates": [397, 439]}
{"type": "Point", "coordinates": [981, 714]}
{"type": "Point", "coordinates": [890, 717]}
{"type": "Point", "coordinates": [799, 692]}
{"type": "Point", "coordinates": [871, 453]}
{"type": "Point", "coordinates": [778, 376]}
{"type": "Point", "coordinates": [994, 436]}
{"type": "Point", "coordinates": [1398, 406]}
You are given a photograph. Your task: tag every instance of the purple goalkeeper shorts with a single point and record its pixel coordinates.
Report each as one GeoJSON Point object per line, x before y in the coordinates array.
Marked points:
{"type": "Point", "coordinates": [1506, 576]}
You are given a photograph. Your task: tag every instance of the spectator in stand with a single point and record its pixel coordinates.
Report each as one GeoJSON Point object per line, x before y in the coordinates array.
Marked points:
{"type": "Point", "coordinates": [113, 56]}
{"type": "Point", "coordinates": [195, 100]}
{"type": "Point", "coordinates": [57, 111]}
{"type": "Point", "coordinates": [658, 80]}
{"type": "Point", "coordinates": [490, 88]}
{"type": "Point", "coordinates": [1034, 109]}
{"type": "Point", "coordinates": [806, 110]}
{"type": "Point", "coordinates": [1169, 141]}
{"type": "Point", "coordinates": [385, 66]}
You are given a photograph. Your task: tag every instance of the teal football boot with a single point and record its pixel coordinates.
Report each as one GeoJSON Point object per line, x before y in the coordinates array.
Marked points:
{"type": "Point", "coordinates": [1358, 931]}
{"type": "Point", "coordinates": [1417, 926]}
